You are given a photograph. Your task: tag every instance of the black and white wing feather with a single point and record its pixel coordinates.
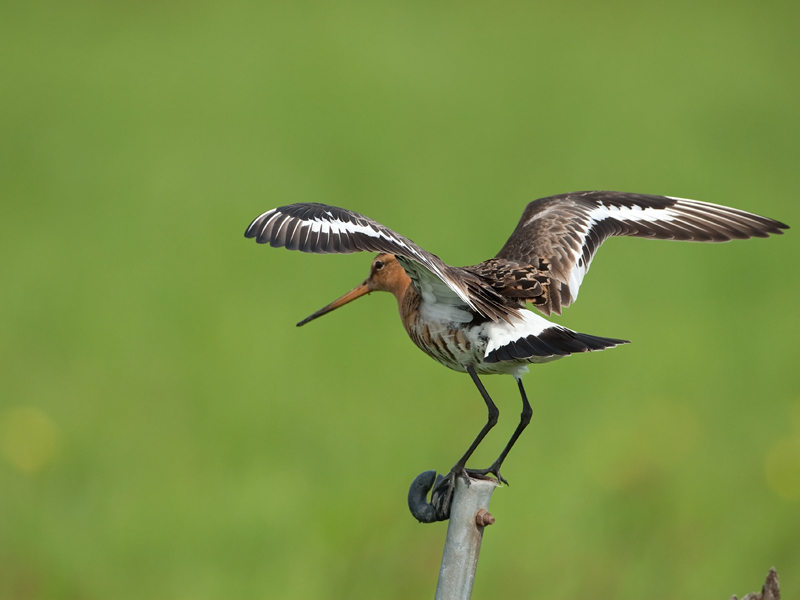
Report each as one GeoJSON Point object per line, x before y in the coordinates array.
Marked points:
{"type": "Point", "coordinates": [559, 235]}
{"type": "Point", "coordinates": [323, 229]}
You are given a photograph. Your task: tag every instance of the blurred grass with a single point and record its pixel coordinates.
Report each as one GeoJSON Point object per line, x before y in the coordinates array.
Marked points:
{"type": "Point", "coordinates": [168, 433]}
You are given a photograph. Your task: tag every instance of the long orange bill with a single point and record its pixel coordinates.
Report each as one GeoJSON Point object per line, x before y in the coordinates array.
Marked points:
{"type": "Point", "coordinates": [361, 290]}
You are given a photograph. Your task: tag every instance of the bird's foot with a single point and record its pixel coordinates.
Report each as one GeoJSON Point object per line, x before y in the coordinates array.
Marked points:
{"type": "Point", "coordinates": [441, 488]}
{"type": "Point", "coordinates": [442, 496]}
{"type": "Point", "coordinates": [484, 473]}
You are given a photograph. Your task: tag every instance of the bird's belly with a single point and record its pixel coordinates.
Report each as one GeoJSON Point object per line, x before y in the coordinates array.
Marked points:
{"type": "Point", "coordinates": [460, 345]}
{"type": "Point", "coordinates": [453, 345]}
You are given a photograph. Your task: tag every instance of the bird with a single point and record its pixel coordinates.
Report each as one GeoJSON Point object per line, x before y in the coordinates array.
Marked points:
{"type": "Point", "coordinates": [475, 319]}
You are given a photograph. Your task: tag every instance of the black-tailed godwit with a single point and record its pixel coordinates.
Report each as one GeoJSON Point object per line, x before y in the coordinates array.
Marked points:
{"type": "Point", "coordinates": [474, 319]}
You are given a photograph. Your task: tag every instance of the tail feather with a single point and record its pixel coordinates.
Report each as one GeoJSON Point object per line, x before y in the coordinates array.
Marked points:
{"type": "Point", "coordinates": [551, 342]}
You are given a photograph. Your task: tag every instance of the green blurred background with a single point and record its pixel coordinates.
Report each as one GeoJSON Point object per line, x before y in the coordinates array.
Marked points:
{"type": "Point", "coordinates": [166, 431]}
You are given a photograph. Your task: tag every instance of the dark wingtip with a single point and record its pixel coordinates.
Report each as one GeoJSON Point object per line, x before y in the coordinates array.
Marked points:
{"type": "Point", "coordinates": [772, 227]}
{"type": "Point", "coordinates": [250, 232]}
{"type": "Point", "coordinates": [599, 343]}
{"type": "Point", "coordinates": [552, 342]}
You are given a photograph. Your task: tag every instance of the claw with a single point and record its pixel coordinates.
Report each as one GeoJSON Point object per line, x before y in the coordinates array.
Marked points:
{"type": "Point", "coordinates": [483, 473]}
{"type": "Point", "coordinates": [442, 495]}
{"type": "Point", "coordinates": [441, 488]}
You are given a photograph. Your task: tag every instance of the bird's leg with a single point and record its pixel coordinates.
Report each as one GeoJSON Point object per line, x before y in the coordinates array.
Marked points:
{"type": "Point", "coordinates": [491, 422]}
{"type": "Point", "coordinates": [525, 418]}
{"type": "Point", "coordinates": [460, 467]}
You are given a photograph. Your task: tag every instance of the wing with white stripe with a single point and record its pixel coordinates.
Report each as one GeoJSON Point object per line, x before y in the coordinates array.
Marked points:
{"type": "Point", "coordinates": [323, 229]}
{"type": "Point", "coordinates": [560, 235]}
{"type": "Point", "coordinates": [531, 338]}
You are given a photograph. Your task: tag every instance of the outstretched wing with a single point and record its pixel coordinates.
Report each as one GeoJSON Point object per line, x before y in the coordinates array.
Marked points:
{"type": "Point", "coordinates": [323, 229]}
{"type": "Point", "coordinates": [557, 236]}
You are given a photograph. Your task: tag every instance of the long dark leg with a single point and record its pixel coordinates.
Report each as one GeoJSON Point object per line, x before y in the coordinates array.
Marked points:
{"type": "Point", "coordinates": [443, 490]}
{"type": "Point", "coordinates": [525, 419]}
{"type": "Point", "coordinates": [491, 422]}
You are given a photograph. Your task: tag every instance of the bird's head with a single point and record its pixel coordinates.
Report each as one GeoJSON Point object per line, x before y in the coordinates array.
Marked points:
{"type": "Point", "coordinates": [385, 275]}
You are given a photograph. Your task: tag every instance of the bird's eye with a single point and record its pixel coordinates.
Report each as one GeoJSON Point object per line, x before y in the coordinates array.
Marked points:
{"type": "Point", "coordinates": [378, 265]}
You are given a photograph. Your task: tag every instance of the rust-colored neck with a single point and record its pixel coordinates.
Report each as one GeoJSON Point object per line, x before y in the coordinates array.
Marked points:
{"type": "Point", "coordinates": [408, 304]}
